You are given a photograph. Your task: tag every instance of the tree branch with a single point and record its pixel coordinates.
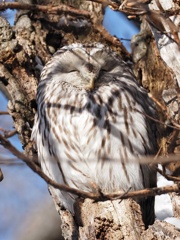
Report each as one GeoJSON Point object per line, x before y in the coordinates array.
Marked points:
{"type": "Point", "coordinates": [1, 175]}
{"type": "Point", "coordinates": [167, 176]}
{"type": "Point", "coordinates": [36, 169]}
{"type": "Point", "coordinates": [96, 196]}
{"type": "Point", "coordinates": [11, 161]}
{"type": "Point", "coordinates": [61, 8]}
{"type": "Point", "coordinates": [4, 113]}
{"type": "Point", "coordinates": [67, 9]}
{"type": "Point", "coordinates": [8, 133]}
{"type": "Point", "coordinates": [145, 192]}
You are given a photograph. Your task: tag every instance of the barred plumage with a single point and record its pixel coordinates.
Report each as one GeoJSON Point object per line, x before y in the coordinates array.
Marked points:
{"type": "Point", "coordinates": [91, 125]}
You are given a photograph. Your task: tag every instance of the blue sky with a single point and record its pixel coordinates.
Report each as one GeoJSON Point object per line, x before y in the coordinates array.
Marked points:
{"type": "Point", "coordinates": [119, 25]}
{"type": "Point", "coordinates": [21, 188]}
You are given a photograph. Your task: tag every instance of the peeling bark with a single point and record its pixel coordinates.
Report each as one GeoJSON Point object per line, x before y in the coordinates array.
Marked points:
{"type": "Point", "coordinates": [157, 64]}
{"type": "Point", "coordinates": [161, 231]}
{"type": "Point", "coordinates": [175, 198]}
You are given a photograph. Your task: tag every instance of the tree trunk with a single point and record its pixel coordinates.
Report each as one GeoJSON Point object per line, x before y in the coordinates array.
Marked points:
{"type": "Point", "coordinates": [29, 45]}
{"type": "Point", "coordinates": [109, 220]}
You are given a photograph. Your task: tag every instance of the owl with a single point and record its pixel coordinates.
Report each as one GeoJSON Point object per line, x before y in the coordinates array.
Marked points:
{"type": "Point", "coordinates": [92, 125]}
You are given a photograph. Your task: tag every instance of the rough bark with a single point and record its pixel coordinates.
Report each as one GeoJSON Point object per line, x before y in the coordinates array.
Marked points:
{"type": "Point", "coordinates": [29, 45]}
{"type": "Point", "coordinates": [161, 231]}
{"type": "Point", "coordinates": [156, 65]}
{"type": "Point", "coordinates": [109, 220]}
{"type": "Point", "coordinates": [175, 198]}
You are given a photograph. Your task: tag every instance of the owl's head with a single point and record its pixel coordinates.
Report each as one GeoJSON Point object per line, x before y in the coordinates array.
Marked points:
{"type": "Point", "coordinates": [82, 66]}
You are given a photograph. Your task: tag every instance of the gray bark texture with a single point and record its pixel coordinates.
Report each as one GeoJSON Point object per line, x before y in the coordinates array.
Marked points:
{"type": "Point", "coordinates": [30, 43]}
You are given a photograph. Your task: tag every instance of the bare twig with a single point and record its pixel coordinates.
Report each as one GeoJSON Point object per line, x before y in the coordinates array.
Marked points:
{"type": "Point", "coordinates": [167, 176]}
{"type": "Point", "coordinates": [158, 103]}
{"type": "Point", "coordinates": [35, 168]}
{"type": "Point", "coordinates": [11, 162]}
{"type": "Point", "coordinates": [156, 18]}
{"type": "Point", "coordinates": [4, 113]}
{"type": "Point", "coordinates": [107, 2]}
{"type": "Point", "coordinates": [83, 194]}
{"type": "Point", "coordinates": [159, 5]}
{"type": "Point", "coordinates": [1, 175]}
{"type": "Point", "coordinates": [159, 160]}
{"type": "Point", "coordinates": [176, 126]}
{"type": "Point", "coordinates": [172, 141]}
{"type": "Point", "coordinates": [172, 12]}
{"type": "Point", "coordinates": [129, 189]}
{"type": "Point", "coordinates": [129, 9]}
{"type": "Point", "coordinates": [48, 8]}
{"type": "Point", "coordinates": [8, 133]}
{"type": "Point", "coordinates": [169, 12]}
{"type": "Point", "coordinates": [66, 9]}
{"type": "Point", "coordinates": [145, 192]}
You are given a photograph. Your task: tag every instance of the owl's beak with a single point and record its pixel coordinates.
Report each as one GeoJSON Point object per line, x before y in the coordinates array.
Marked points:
{"type": "Point", "coordinates": [91, 83]}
